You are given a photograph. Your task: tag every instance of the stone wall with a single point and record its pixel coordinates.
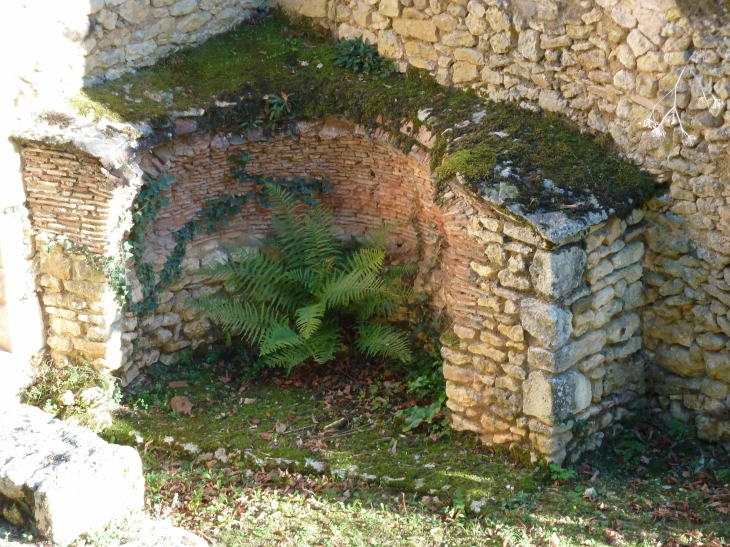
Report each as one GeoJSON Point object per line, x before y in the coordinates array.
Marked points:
{"type": "Point", "coordinates": [545, 329]}
{"type": "Point", "coordinates": [610, 64]}
{"type": "Point", "coordinates": [128, 34]}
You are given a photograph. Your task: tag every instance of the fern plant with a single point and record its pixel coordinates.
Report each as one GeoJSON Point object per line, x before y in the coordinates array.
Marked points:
{"type": "Point", "coordinates": [298, 296]}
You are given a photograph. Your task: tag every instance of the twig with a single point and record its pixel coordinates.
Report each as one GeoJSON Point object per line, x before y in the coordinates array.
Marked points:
{"type": "Point", "coordinates": [295, 430]}
{"type": "Point", "coordinates": [347, 432]}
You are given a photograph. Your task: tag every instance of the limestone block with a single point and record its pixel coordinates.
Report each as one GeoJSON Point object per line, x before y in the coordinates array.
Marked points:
{"type": "Point", "coordinates": [455, 357]}
{"type": "Point", "coordinates": [547, 397]}
{"type": "Point", "coordinates": [57, 264]}
{"type": "Point", "coordinates": [87, 289]}
{"type": "Point", "coordinates": [639, 43]}
{"type": "Point", "coordinates": [528, 45]}
{"type": "Point", "coordinates": [133, 52]}
{"type": "Point", "coordinates": [69, 479]}
{"type": "Point", "coordinates": [564, 358]}
{"type": "Point", "coordinates": [718, 366]}
{"type": "Point", "coordinates": [555, 274]}
{"type": "Point", "coordinates": [459, 39]}
{"type": "Point", "coordinates": [415, 28]}
{"type": "Point", "coordinates": [461, 395]}
{"type": "Point", "coordinates": [83, 270]}
{"type": "Point", "coordinates": [197, 330]}
{"type": "Point", "coordinates": [622, 328]}
{"type": "Point", "coordinates": [464, 72]}
{"type": "Point", "coordinates": [136, 12]}
{"type": "Point", "coordinates": [89, 348]}
{"type": "Point", "coordinates": [549, 324]}
{"type": "Point", "coordinates": [458, 374]}
{"type": "Point", "coordinates": [499, 20]}
{"type": "Point", "coordinates": [390, 8]}
{"type": "Point", "coordinates": [65, 326]}
{"type": "Point", "coordinates": [193, 21]}
{"type": "Point", "coordinates": [389, 44]}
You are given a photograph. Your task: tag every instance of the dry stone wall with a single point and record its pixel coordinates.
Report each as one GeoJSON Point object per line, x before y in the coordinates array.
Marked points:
{"type": "Point", "coordinates": [126, 34]}
{"type": "Point", "coordinates": [617, 67]}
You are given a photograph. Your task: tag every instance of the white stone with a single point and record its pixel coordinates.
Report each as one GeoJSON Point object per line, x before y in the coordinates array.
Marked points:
{"type": "Point", "coordinates": [71, 481]}
{"type": "Point", "coordinates": [549, 324]}
{"type": "Point", "coordinates": [547, 397]}
{"type": "Point", "coordinates": [183, 7]}
{"type": "Point", "coordinates": [555, 274]}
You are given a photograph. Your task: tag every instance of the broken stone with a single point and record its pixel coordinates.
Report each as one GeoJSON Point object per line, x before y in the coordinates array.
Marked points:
{"type": "Point", "coordinates": [556, 274]}
{"type": "Point", "coordinates": [547, 397]}
{"type": "Point", "coordinates": [549, 324]}
{"type": "Point", "coordinates": [70, 481]}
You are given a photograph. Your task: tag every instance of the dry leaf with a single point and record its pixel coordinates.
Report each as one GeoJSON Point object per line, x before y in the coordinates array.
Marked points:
{"type": "Point", "coordinates": [181, 404]}
{"type": "Point", "coordinates": [612, 535]}
{"type": "Point", "coordinates": [267, 436]}
{"type": "Point", "coordinates": [225, 378]}
{"type": "Point", "coordinates": [177, 383]}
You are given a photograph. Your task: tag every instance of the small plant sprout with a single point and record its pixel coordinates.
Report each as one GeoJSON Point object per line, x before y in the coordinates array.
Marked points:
{"type": "Point", "coordinates": [672, 117]}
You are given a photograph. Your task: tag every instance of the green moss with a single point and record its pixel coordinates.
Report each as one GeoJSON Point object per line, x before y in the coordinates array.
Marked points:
{"type": "Point", "coordinates": [230, 75]}
{"type": "Point", "coordinates": [474, 163]}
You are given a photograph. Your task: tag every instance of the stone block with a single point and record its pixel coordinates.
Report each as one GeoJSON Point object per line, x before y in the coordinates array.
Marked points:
{"type": "Point", "coordinates": [415, 28]}
{"type": "Point", "coordinates": [549, 324]}
{"type": "Point", "coordinates": [718, 366]}
{"type": "Point", "coordinates": [630, 254]}
{"type": "Point", "coordinates": [308, 8]}
{"type": "Point", "coordinates": [564, 358]}
{"type": "Point", "coordinates": [69, 480]}
{"type": "Point", "coordinates": [528, 45]}
{"type": "Point", "coordinates": [390, 8]}
{"type": "Point", "coordinates": [56, 263]}
{"type": "Point", "coordinates": [87, 289]}
{"type": "Point", "coordinates": [555, 274]}
{"type": "Point", "coordinates": [547, 397]}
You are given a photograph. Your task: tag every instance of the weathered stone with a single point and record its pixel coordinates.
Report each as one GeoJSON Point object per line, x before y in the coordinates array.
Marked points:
{"type": "Point", "coordinates": [622, 328]}
{"type": "Point", "coordinates": [389, 8]}
{"type": "Point", "coordinates": [459, 39]}
{"type": "Point", "coordinates": [528, 45]}
{"type": "Point", "coordinates": [683, 362]}
{"type": "Point", "coordinates": [422, 30]}
{"type": "Point", "coordinates": [63, 475]}
{"type": "Point", "coordinates": [553, 397]}
{"type": "Point", "coordinates": [628, 255]}
{"type": "Point", "coordinates": [718, 366]}
{"type": "Point", "coordinates": [308, 8]}
{"type": "Point", "coordinates": [555, 274]}
{"type": "Point", "coordinates": [564, 358]}
{"type": "Point", "coordinates": [57, 264]}
{"type": "Point", "coordinates": [87, 289]}
{"type": "Point", "coordinates": [549, 324]}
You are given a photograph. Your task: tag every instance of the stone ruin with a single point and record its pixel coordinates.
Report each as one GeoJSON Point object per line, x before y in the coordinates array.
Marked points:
{"type": "Point", "coordinates": [556, 318]}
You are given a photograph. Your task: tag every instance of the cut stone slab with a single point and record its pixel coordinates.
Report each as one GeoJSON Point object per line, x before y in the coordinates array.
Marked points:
{"type": "Point", "coordinates": [61, 480]}
{"type": "Point", "coordinates": [548, 397]}
{"type": "Point", "coordinates": [555, 274]}
{"type": "Point", "coordinates": [549, 324]}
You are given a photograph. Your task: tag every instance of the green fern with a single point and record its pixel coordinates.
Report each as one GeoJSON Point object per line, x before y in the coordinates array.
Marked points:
{"type": "Point", "coordinates": [294, 297]}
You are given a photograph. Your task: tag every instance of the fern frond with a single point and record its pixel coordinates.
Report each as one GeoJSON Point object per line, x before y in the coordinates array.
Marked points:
{"type": "Point", "coordinates": [347, 287]}
{"type": "Point", "coordinates": [277, 337]}
{"type": "Point", "coordinates": [309, 319]}
{"type": "Point", "coordinates": [384, 341]}
{"type": "Point", "coordinates": [238, 317]}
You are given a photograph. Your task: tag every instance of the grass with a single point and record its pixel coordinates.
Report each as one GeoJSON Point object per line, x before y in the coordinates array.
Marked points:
{"type": "Point", "coordinates": [380, 486]}
{"type": "Point", "coordinates": [240, 79]}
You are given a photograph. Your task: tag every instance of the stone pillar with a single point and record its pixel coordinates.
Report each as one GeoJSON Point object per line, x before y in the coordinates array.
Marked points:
{"type": "Point", "coordinates": [553, 336]}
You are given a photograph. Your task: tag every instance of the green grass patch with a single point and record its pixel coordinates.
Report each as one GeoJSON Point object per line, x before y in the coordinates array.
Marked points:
{"type": "Point", "coordinates": [384, 487]}
{"type": "Point", "coordinates": [239, 78]}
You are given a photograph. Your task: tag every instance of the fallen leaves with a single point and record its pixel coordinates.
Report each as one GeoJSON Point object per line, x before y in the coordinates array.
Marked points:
{"type": "Point", "coordinates": [612, 535]}
{"type": "Point", "coordinates": [181, 404]}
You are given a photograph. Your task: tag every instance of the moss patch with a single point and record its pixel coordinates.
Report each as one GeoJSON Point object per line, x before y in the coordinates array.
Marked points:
{"type": "Point", "coordinates": [230, 76]}
{"type": "Point", "coordinates": [646, 488]}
